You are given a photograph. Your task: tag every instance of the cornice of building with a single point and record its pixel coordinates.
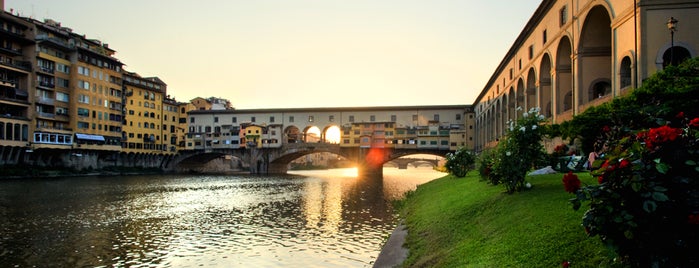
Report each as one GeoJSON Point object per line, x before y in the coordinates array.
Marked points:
{"type": "Point", "coordinates": [333, 109]}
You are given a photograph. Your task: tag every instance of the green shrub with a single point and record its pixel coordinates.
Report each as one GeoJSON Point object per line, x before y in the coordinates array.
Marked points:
{"type": "Point", "coordinates": [460, 162]}
{"type": "Point", "coordinates": [646, 205]}
{"type": "Point", "coordinates": [519, 151]}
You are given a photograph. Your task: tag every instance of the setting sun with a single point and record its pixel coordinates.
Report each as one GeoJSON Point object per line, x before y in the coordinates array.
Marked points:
{"type": "Point", "coordinates": [332, 135]}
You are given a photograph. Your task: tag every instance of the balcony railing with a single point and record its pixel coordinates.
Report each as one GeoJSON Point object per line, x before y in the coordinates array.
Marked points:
{"type": "Point", "coordinates": [46, 69]}
{"type": "Point", "coordinates": [46, 115]}
{"type": "Point", "coordinates": [24, 65]}
{"type": "Point", "coordinates": [44, 100]}
{"type": "Point", "coordinates": [47, 84]}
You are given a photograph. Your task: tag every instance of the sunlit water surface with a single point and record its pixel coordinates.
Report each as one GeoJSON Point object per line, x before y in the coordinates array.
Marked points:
{"type": "Point", "coordinates": [328, 218]}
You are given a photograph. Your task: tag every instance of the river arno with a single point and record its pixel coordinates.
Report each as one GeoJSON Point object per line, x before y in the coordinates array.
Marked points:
{"type": "Point", "coordinates": [306, 219]}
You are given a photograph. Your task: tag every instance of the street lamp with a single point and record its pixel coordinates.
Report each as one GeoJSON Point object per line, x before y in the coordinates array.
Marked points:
{"type": "Point", "coordinates": [672, 26]}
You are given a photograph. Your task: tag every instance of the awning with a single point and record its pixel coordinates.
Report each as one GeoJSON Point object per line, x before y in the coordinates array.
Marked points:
{"type": "Point", "coordinates": [89, 137]}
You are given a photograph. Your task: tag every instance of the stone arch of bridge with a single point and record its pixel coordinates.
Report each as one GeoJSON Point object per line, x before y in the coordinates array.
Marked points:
{"type": "Point", "coordinates": [205, 157]}
{"type": "Point", "coordinates": [403, 153]}
{"type": "Point", "coordinates": [280, 163]}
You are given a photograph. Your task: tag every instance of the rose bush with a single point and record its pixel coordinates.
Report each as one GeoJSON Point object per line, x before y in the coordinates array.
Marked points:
{"type": "Point", "coordinates": [646, 203]}
{"type": "Point", "coordinates": [460, 162]}
{"type": "Point", "coordinates": [518, 152]}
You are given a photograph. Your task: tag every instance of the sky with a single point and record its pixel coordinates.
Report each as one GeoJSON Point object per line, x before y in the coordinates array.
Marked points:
{"type": "Point", "coordinates": [302, 53]}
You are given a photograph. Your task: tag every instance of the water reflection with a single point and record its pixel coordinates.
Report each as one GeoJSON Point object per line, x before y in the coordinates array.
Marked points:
{"type": "Point", "coordinates": [328, 219]}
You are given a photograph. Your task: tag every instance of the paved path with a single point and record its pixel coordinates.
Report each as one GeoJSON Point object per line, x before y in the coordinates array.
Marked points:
{"type": "Point", "coordinates": [393, 253]}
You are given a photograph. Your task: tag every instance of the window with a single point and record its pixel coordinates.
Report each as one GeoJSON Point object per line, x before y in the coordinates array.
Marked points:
{"type": "Point", "coordinates": [414, 117]}
{"type": "Point", "coordinates": [191, 119]}
{"type": "Point", "coordinates": [83, 125]}
{"type": "Point", "coordinates": [331, 118]}
{"type": "Point", "coordinates": [234, 119]}
{"type": "Point", "coordinates": [511, 73]}
{"type": "Point", "coordinates": [83, 99]}
{"type": "Point", "coordinates": [544, 37]}
{"type": "Point", "coordinates": [271, 119]}
{"type": "Point", "coordinates": [625, 72]}
{"type": "Point", "coordinates": [60, 96]}
{"type": "Point", "coordinates": [252, 119]}
{"type": "Point", "coordinates": [436, 117]}
{"type": "Point", "coordinates": [563, 15]}
{"type": "Point", "coordinates": [393, 118]}
{"type": "Point", "coordinates": [84, 85]}
{"type": "Point", "coordinates": [458, 116]}
{"type": "Point", "coordinates": [62, 68]}
{"type": "Point", "coordinates": [83, 112]}
{"type": "Point", "coordinates": [62, 82]}
{"type": "Point", "coordinates": [83, 71]}
{"type": "Point", "coordinates": [372, 118]}
{"type": "Point", "coordinates": [351, 118]}
{"type": "Point", "coordinates": [216, 119]}
{"type": "Point", "coordinates": [531, 52]}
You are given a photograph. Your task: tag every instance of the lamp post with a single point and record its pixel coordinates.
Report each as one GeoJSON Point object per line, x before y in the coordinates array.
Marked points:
{"type": "Point", "coordinates": [672, 26]}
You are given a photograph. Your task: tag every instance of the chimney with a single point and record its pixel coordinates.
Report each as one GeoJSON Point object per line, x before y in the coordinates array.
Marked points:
{"type": "Point", "coordinates": [2, 5]}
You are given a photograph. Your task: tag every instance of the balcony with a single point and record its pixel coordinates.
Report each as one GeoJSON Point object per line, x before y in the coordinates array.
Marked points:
{"type": "Point", "coordinates": [10, 62]}
{"type": "Point", "coordinates": [46, 115]}
{"type": "Point", "coordinates": [11, 50]}
{"type": "Point", "coordinates": [44, 100]}
{"type": "Point", "coordinates": [56, 41]}
{"type": "Point", "coordinates": [47, 70]}
{"type": "Point", "coordinates": [47, 84]}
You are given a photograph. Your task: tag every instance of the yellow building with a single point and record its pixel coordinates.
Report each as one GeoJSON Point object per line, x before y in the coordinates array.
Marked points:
{"type": "Point", "coordinates": [53, 88]}
{"type": "Point", "coordinates": [96, 116]}
{"type": "Point", "coordinates": [149, 122]}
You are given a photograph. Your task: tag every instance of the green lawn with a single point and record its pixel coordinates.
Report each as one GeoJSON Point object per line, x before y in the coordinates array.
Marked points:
{"type": "Point", "coordinates": [464, 222]}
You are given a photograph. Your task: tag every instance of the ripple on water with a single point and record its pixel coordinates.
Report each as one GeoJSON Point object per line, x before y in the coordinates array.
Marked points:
{"type": "Point", "coordinates": [181, 221]}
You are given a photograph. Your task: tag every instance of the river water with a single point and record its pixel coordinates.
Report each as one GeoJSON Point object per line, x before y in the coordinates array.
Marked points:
{"type": "Point", "coordinates": [329, 218]}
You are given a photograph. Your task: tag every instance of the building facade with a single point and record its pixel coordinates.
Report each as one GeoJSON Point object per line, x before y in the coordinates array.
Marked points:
{"type": "Point", "coordinates": [16, 81]}
{"type": "Point", "coordinates": [572, 55]}
{"type": "Point", "coordinates": [60, 90]}
{"type": "Point", "coordinates": [365, 127]}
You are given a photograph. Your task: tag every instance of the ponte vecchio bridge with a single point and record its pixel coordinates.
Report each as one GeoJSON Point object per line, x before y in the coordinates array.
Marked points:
{"type": "Point", "coordinates": [267, 140]}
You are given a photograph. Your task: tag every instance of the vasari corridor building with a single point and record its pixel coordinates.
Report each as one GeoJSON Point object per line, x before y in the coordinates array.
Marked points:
{"type": "Point", "coordinates": [574, 54]}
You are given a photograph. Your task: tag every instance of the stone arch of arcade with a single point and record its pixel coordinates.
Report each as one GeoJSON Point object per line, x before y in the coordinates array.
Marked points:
{"type": "Point", "coordinates": [571, 71]}
{"type": "Point", "coordinates": [293, 134]}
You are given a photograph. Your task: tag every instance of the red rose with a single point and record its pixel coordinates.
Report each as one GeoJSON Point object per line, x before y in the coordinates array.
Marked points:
{"type": "Point", "coordinates": [600, 179]}
{"type": "Point", "coordinates": [565, 264]}
{"type": "Point", "coordinates": [680, 115]}
{"type": "Point", "coordinates": [624, 163]}
{"type": "Point", "coordinates": [606, 129]}
{"type": "Point", "coordinates": [571, 182]}
{"type": "Point", "coordinates": [694, 122]}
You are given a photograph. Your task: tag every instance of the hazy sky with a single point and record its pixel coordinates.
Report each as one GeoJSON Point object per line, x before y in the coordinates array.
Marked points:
{"type": "Point", "coordinates": [303, 53]}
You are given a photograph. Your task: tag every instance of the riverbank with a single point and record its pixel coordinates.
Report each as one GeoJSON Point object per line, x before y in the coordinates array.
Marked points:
{"type": "Point", "coordinates": [464, 222]}
{"type": "Point", "coordinates": [20, 171]}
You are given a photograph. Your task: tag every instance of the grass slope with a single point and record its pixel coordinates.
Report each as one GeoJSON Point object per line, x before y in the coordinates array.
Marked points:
{"type": "Point", "coordinates": [464, 222]}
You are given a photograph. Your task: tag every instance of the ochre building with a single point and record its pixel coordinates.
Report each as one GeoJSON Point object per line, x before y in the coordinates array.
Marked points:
{"type": "Point", "coordinates": [572, 55]}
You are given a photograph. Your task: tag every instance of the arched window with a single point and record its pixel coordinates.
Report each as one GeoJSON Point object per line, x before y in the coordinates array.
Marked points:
{"type": "Point", "coordinates": [675, 55]}
{"type": "Point", "coordinates": [600, 89]}
{"type": "Point", "coordinates": [625, 72]}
